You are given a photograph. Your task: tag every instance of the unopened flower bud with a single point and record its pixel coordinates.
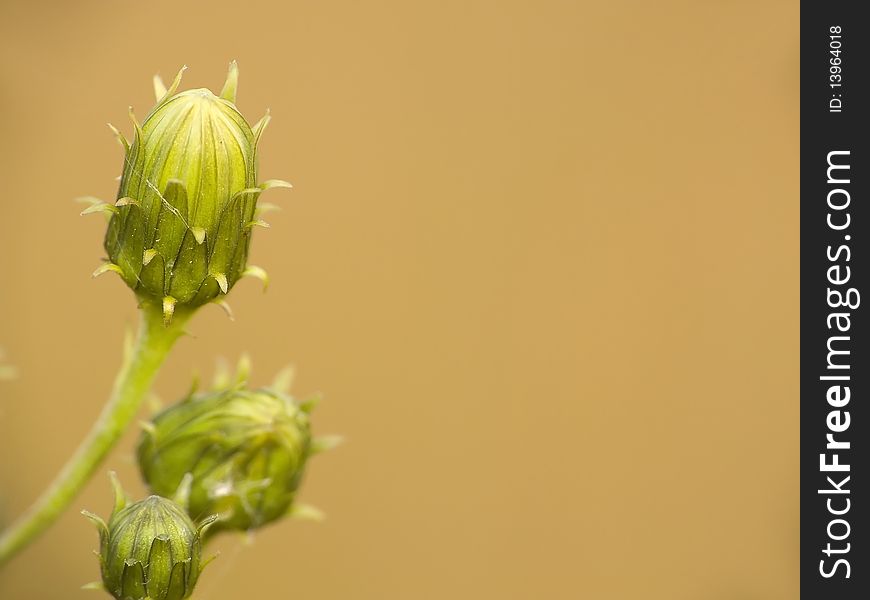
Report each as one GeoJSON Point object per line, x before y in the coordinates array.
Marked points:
{"type": "Point", "coordinates": [246, 450]}
{"type": "Point", "coordinates": [180, 230]}
{"type": "Point", "coordinates": [150, 550]}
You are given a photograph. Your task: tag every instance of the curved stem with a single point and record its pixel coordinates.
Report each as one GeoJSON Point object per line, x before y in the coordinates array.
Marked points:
{"type": "Point", "coordinates": [140, 365]}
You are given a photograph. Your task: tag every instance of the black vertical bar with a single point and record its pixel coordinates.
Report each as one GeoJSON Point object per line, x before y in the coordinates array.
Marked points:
{"type": "Point", "coordinates": [835, 435]}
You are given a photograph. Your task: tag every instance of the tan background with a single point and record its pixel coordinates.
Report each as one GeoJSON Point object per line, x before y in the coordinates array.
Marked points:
{"type": "Point", "coordinates": [541, 258]}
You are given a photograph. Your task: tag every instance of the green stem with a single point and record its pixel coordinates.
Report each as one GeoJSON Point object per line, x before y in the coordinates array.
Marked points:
{"type": "Point", "coordinates": [132, 383]}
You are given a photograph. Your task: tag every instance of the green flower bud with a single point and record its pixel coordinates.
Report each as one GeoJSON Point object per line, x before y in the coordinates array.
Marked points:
{"type": "Point", "coordinates": [180, 231]}
{"type": "Point", "coordinates": [245, 449]}
{"type": "Point", "coordinates": [150, 550]}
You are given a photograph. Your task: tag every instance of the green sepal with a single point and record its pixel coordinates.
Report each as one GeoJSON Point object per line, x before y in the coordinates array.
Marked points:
{"type": "Point", "coordinates": [160, 567]}
{"type": "Point", "coordinates": [120, 497]}
{"type": "Point", "coordinates": [243, 369]}
{"type": "Point", "coordinates": [246, 451]}
{"type": "Point", "coordinates": [257, 273]}
{"type": "Point", "coordinates": [171, 222]}
{"type": "Point", "coordinates": [113, 235]}
{"type": "Point", "coordinates": [309, 404]}
{"type": "Point", "coordinates": [154, 271]}
{"type": "Point", "coordinates": [205, 525]}
{"type": "Point", "coordinates": [94, 585]}
{"type": "Point", "coordinates": [178, 580]}
{"type": "Point", "coordinates": [283, 380]}
{"type": "Point", "coordinates": [228, 92]}
{"type": "Point", "coordinates": [100, 207]}
{"type": "Point", "coordinates": [105, 268]}
{"type": "Point", "coordinates": [325, 443]}
{"type": "Point", "coordinates": [101, 526]}
{"type": "Point", "coordinates": [260, 127]}
{"type": "Point", "coordinates": [305, 512]}
{"type": "Point", "coordinates": [227, 237]}
{"type": "Point", "coordinates": [131, 244]}
{"type": "Point", "coordinates": [208, 291]}
{"type": "Point", "coordinates": [275, 183]}
{"type": "Point", "coordinates": [161, 93]}
{"type": "Point", "coordinates": [133, 580]}
{"type": "Point", "coordinates": [190, 269]}
{"type": "Point", "coordinates": [182, 494]}
{"type": "Point", "coordinates": [168, 309]}
{"type": "Point", "coordinates": [120, 137]}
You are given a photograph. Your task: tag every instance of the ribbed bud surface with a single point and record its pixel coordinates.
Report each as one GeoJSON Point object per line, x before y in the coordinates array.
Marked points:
{"type": "Point", "coordinates": [245, 449]}
{"type": "Point", "coordinates": [180, 230]}
{"type": "Point", "coordinates": [150, 550]}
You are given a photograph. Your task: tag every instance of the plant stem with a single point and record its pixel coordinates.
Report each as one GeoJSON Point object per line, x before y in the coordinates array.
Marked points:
{"type": "Point", "coordinates": [139, 367]}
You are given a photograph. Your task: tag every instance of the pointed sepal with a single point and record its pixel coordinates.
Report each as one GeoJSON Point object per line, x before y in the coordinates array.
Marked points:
{"type": "Point", "coordinates": [243, 369]}
{"type": "Point", "coordinates": [148, 256]}
{"type": "Point", "coordinates": [258, 273]}
{"type": "Point", "coordinates": [246, 192]}
{"type": "Point", "coordinates": [204, 526]}
{"type": "Point", "coordinates": [100, 524]}
{"type": "Point", "coordinates": [126, 201]}
{"type": "Point", "coordinates": [159, 87]}
{"type": "Point", "coordinates": [154, 403]}
{"type": "Point", "coordinates": [160, 565]}
{"type": "Point", "coordinates": [178, 578]}
{"type": "Point", "coordinates": [221, 279]}
{"type": "Point", "coordinates": [171, 221]}
{"type": "Point", "coordinates": [311, 403]}
{"type": "Point", "coordinates": [182, 494]}
{"type": "Point", "coordinates": [161, 93]}
{"type": "Point", "coordinates": [133, 579]}
{"type": "Point", "coordinates": [211, 558]}
{"type": "Point", "coordinates": [260, 127]}
{"type": "Point", "coordinates": [283, 380]}
{"type": "Point", "coordinates": [222, 376]}
{"type": "Point", "coordinates": [105, 268]}
{"type": "Point", "coordinates": [257, 223]}
{"type": "Point", "coordinates": [95, 585]}
{"type": "Point", "coordinates": [198, 234]}
{"type": "Point", "coordinates": [265, 207]}
{"type": "Point", "coordinates": [232, 83]}
{"type": "Point", "coordinates": [225, 306]}
{"type": "Point", "coordinates": [148, 428]}
{"type": "Point", "coordinates": [305, 512]}
{"type": "Point", "coordinates": [121, 499]}
{"type": "Point", "coordinates": [137, 127]}
{"type": "Point", "coordinates": [275, 183]}
{"type": "Point", "coordinates": [168, 309]}
{"type": "Point", "coordinates": [324, 443]}
{"type": "Point", "coordinates": [95, 205]}
{"type": "Point", "coordinates": [120, 137]}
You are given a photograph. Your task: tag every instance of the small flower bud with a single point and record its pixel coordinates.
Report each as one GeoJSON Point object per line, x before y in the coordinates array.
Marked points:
{"type": "Point", "coordinates": [246, 451]}
{"type": "Point", "coordinates": [180, 231]}
{"type": "Point", "coordinates": [150, 550]}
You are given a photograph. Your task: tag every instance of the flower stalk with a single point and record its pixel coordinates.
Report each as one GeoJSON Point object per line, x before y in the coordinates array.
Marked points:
{"type": "Point", "coordinates": [179, 235]}
{"type": "Point", "coordinates": [140, 365]}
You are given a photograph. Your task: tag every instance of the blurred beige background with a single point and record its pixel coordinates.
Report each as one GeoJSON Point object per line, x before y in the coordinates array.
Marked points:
{"type": "Point", "coordinates": [541, 257]}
